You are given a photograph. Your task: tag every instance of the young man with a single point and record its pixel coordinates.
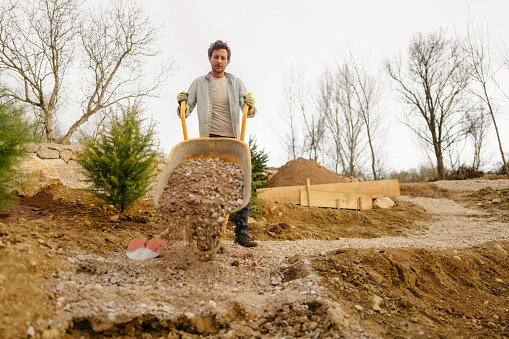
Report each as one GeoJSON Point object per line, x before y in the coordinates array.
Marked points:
{"type": "Point", "coordinates": [220, 98]}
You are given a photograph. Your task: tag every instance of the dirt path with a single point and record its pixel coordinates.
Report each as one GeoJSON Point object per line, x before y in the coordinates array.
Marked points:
{"type": "Point", "coordinates": [444, 275]}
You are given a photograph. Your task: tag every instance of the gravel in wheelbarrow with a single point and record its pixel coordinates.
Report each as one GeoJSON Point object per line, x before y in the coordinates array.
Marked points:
{"type": "Point", "coordinates": [198, 196]}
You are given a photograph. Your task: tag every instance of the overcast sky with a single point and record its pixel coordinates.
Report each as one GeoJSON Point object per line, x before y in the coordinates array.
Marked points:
{"type": "Point", "coordinates": [267, 38]}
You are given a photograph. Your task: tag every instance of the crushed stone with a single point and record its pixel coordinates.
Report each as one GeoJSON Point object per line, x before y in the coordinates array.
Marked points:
{"type": "Point", "coordinates": [198, 197]}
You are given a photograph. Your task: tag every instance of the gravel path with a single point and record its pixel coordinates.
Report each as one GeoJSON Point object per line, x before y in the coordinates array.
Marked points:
{"type": "Point", "coordinates": [453, 226]}
{"type": "Point", "coordinates": [471, 185]}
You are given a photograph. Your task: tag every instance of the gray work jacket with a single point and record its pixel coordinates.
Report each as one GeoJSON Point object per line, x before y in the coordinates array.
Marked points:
{"type": "Point", "coordinates": [200, 93]}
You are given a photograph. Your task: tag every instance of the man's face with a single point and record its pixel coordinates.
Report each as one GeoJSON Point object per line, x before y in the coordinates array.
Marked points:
{"type": "Point", "coordinates": [219, 61]}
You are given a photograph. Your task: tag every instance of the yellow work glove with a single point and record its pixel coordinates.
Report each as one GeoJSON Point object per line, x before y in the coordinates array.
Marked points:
{"type": "Point", "coordinates": [182, 96]}
{"type": "Point", "coordinates": [249, 101]}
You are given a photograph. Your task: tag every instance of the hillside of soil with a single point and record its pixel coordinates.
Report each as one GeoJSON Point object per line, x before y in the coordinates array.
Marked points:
{"type": "Point", "coordinates": [434, 266]}
{"type": "Point", "coordinates": [296, 172]}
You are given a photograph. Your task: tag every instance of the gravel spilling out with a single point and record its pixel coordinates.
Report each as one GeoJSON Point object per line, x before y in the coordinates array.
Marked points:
{"type": "Point", "coordinates": [198, 196]}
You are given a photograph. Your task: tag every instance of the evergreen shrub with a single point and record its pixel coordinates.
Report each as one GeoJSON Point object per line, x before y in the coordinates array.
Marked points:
{"type": "Point", "coordinates": [13, 136]}
{"type": "Point", "coordinates": [259, 174]}
{"type": "Point", "coordinates": [120, 158]}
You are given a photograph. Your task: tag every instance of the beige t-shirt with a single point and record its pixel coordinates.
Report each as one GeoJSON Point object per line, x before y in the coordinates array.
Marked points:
{"type": "Point", "coordinates": [221, 121]}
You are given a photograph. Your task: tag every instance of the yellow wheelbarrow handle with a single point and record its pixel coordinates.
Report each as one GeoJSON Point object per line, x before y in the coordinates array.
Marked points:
{"type": "Point", "coordinates": [183, 117]}
{"type": "Point", "coordinates": [244, 116]}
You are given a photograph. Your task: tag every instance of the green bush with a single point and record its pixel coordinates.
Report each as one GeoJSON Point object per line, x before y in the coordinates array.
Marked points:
{"type": "Point", "coordinates": [120, 159]}
{"type": "Point", "coordinates": [13, 135]}
{"type": "Point", "coordinates": [259, 174]}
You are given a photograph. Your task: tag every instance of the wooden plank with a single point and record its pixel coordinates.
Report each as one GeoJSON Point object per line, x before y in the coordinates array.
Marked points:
{"type": "Point", "coordinates": [303, 198]}
{"type": "Point", "coordinates": [308, 186]}
{"type": "Point", "coordinates": [377, 189]}
{"type": "Point", "coordinates": [291, 194]}
{"type": "Point", "coordinates": [282, 197]}
{"type": "Point", "coordinates": [334, 199]}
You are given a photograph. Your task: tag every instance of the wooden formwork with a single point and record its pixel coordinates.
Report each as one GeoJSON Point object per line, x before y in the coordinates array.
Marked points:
{"type": "Point", "coordinates": [352, 195]}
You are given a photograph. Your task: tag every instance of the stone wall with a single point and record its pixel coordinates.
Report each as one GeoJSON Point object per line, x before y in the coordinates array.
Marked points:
{"type": "Point", "coordinates": [63, 155]}
{"type": "Point", "coordinates": [55, 154]}
{"type": "Point", "coordinates": [50, 163]}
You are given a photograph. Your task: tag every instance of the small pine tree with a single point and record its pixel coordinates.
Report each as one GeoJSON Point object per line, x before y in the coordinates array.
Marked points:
{"type": "Point", "coordinates": [13, 135]}
{"type": "Point", "coordinates": [259, 174]}
{"type": "Point", "coordinates": [259, 159]}
{"type": "Point", "coordinates": [119, 159]}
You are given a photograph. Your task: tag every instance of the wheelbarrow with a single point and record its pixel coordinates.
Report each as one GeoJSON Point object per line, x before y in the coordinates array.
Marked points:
{"type": "Point", "coordinates": [227, 149]}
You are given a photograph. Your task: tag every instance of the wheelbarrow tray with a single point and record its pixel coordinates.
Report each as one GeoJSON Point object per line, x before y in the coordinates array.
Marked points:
{"type": "Point", "coordinates": [227, 149]}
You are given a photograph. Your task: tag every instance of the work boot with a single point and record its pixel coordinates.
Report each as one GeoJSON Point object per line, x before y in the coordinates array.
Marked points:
{"type": "Point", "coordinates": [243, 239]}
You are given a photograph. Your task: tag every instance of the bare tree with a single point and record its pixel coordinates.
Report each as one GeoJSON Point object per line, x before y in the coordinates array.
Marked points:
{"type": "Point", "coordinates": [43, 41]}
{"type": "Point", "coordinates": [367, 91]}
{"type": "Point", "coordinates": [117, 42]}
{"type": "Point", "coordinates": [290, 140]}
{"type": "Point", "coordinates": [479, 56]}
{"type": "Point", "coordinates": [315, 133]}
{"type": "Point", "coordinates": [433, 86]}
{"type": "Point", "coordinates": [453, 153]}
{"type": "Point", "coordinates": [353, 123]}
{"type": "Point", "coordinates": [299, 114]}
{"type": "Point", "coordinates": [36, 49]}
{"type": "Point", "coordinates": [313, 125]}
{"type": "Point", "coordinates": [337, 99]}
{"type": "Point", "coordinates": [477, 130]}
{"type": "Point", "coordinates": [332, 110]}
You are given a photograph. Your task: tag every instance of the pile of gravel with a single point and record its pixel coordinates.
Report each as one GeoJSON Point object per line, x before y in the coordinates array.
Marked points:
{"type": "Point", "coordinates": [198, 196]}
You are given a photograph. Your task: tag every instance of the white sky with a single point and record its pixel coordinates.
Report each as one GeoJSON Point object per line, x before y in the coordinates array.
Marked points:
{"type": "Point", "coordinates": [268, 37]}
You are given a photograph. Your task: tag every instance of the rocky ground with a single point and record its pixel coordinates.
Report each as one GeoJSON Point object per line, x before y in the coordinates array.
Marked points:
{"type": "Point", "coordinates": [434, 266]}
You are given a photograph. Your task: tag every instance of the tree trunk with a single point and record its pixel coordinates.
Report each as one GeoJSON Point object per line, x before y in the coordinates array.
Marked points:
{"type": "Point", "coordinates": [373, 160]}
{"type": "Point", "coordinates": [504, 163]}
{"type": "Point", "coordinates": [440, 161]}
{"type": "Point", "coordinates": [65, 139]}
{"type": "Point", "coordinates": [440, 158]}
{"type": "Point", "coordinates": [48, 125]}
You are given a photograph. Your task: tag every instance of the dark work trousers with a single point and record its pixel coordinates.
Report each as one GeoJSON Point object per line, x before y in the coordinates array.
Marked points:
{"type": "Point", "coordinates": [242, 216]}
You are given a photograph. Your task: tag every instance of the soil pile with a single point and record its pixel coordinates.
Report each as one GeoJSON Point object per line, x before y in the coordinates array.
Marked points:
{"type": "Point", "coordinates": [295, 172]}
{"type": "Point", "coordinates": [200, 192]}
{"type": "Point", "coordinates": [414, 292]}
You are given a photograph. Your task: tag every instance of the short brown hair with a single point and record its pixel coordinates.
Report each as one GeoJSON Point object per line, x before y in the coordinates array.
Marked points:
{"type": "Point", "coordinates": [219, 45]}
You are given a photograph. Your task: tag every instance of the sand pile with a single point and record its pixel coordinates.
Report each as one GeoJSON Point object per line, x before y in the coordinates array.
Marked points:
{"type": "Point", "coordinates": [295, 172]}
{"type": "Point", "coordinates": [198, 196]}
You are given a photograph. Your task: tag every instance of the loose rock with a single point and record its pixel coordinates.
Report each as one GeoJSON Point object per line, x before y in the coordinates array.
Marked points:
{"type": "Point", "coordinates": [198, 196]}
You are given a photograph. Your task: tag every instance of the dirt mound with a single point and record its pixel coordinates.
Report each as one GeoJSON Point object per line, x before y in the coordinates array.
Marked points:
{"type": "Point", "coordinates": [295, 173]}
{"type": "Point", "coordinates": [402, 293]}
{"type": "Point", "coordinates": [492, 198]}
{"type": "Point", "coordinates": [293, 222]}
{"type": "Point", "coordinates": [423, 189]}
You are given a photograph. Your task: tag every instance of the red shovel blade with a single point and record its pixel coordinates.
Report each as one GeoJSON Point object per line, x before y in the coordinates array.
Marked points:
{"type": "Point", "coordinates": [145, 248]}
